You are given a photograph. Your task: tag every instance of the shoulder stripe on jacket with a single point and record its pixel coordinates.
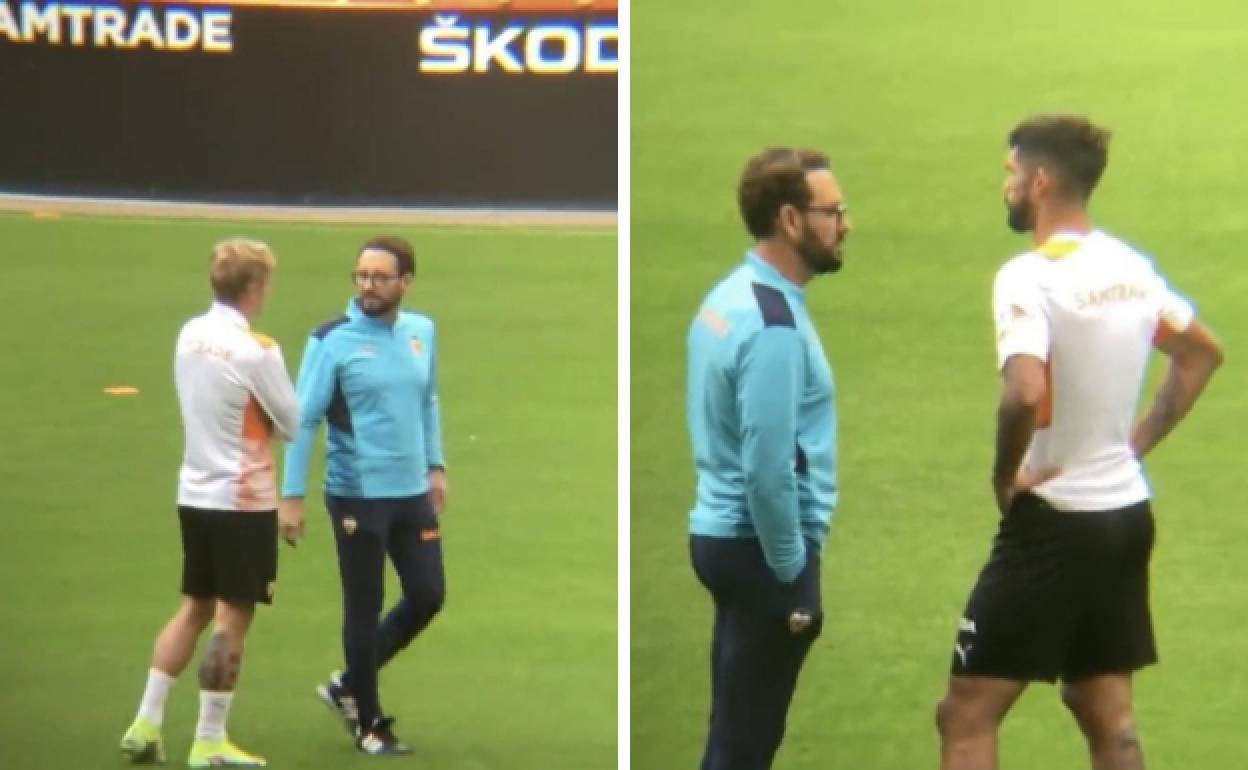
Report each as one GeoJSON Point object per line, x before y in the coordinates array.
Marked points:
{"type": "Point", "coordinates": [774, 307]}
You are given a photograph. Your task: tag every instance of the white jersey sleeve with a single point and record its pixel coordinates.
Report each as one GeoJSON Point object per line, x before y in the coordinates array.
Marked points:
{"type": "Point", "coordinates": [1022, 324]}
{"type": "Point", "coordinates": [1175, 312]}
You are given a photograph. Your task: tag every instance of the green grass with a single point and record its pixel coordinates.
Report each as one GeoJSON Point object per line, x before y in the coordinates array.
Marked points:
{"type": "Point", "coordinates": [913, 100]}
{"type": "Point", "coordinates": [519, 670]}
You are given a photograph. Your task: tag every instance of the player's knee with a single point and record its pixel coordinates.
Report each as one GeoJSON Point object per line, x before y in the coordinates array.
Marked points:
{"type": "Point", "coordinates": [233, 618]}
{"type": "Point", "coordinates": [1124, 735]}
{"type": "Point", "coordinates": [1102, 721]}
{"type": "Point", "coordinates": [959, 716]}
{"type": "Point", "coordinates": [1114, 730]}
{"type": "Point", "coordinates": [1117, 734]}
{"type": "Point", "coordinates": [198, 612]}
{"type": "Point", "coordinates": [1082, 707]}
{"type": "Point", "coordinates": [951, 717]}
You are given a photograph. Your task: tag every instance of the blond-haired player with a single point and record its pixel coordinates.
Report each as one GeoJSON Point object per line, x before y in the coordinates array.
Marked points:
{"type": "Point", "coordinates": [235, 396]}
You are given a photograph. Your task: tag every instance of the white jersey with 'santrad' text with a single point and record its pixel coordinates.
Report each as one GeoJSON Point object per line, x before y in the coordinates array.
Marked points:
{"type": "Point", "coordinates": [1090, 307]}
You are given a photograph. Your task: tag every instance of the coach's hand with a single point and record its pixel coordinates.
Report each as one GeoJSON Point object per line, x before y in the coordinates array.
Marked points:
{"type": "Point", "coordinates": [1008, 489]}
{"type": "Point", "coordinates": [437, 490]}
{"type": "Point", "coordinates": [290, 520]}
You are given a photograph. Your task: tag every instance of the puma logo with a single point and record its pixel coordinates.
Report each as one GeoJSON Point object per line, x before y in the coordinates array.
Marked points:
{"type": "Point", "coordinates": [962, 652]}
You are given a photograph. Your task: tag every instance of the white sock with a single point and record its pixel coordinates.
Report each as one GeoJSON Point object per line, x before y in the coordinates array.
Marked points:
{"type": "Point", "coordinates": [214, 707]}
{"type": "Point", "coordinates": [152, 707]}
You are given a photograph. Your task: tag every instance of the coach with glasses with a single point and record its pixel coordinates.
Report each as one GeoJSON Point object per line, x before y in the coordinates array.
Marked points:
{"type": "Point", "coordinates": [372, 375]}
{"type": "Point", "coordinates": [762, 422]}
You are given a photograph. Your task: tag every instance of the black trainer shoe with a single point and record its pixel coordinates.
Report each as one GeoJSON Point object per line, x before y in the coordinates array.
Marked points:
{"type": "Point", "coordinates": [380, 740]}
{"type": "Point", "coordinates": [340, 701]}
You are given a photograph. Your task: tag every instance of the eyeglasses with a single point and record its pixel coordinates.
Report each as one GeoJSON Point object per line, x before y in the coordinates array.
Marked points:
{"type": "Point", "coordinates": [380, 280]}
{"type": "Point", "coordinates": [838, 210]}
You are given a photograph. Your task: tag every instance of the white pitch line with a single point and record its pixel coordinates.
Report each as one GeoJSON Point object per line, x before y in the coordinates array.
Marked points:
{"type": "Point", "coordinates": [587, 222]}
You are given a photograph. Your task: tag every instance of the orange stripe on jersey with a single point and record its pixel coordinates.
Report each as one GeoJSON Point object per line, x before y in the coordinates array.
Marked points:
{"type": "Point", "coordinates": [1163, 332]}
{"type": "Point", "coordinates": [256, 424]}
{"type": "Point", "coordinates": [257, 488]}
{"type": "Point", "coordinates": [1044, 410]}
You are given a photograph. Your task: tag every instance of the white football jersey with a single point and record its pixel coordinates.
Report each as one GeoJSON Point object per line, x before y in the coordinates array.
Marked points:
{"type": "Point", "coordinates": [1090, 307]}
{"type": "Point", "coordinates": [234, 395]}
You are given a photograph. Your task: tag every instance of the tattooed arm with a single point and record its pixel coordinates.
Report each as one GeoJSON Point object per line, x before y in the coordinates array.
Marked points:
{"type": "Point", "coordinates": [1194, 355]}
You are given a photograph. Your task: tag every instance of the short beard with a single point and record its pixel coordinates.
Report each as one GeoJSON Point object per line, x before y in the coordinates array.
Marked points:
{"type": "Point", "coordinates": [819, 259]}
{"type": "Point", "coordinates": [1020, 216]}
{"type": "Point", "coordinates": [383, 307]}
